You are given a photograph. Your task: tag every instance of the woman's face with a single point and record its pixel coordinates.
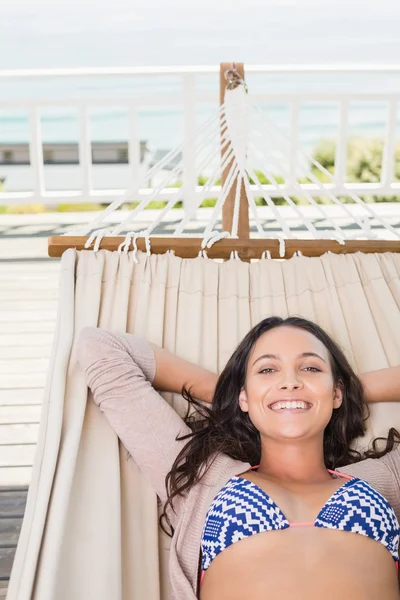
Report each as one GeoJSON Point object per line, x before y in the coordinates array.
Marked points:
{"type": "Point", "coordinates": [289, 390]}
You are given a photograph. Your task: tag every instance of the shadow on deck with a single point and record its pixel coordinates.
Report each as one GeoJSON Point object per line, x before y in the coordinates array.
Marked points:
{"type": "Point", "coordinates": [12, 508]}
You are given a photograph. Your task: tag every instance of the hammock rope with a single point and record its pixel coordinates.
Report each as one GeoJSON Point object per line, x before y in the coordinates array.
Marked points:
{"type": "Point", "coordinates": [270, 127]}
{"type": "Point", "coordinates": [239, 149]}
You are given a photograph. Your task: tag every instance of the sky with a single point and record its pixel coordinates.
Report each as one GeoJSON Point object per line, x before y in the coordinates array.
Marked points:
{"type": "Point", "coordinates": [51, 33]}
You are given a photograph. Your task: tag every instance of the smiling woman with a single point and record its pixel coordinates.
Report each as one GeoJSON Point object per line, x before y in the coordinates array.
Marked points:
{"type": "Point", "coordinates": [270, 464]}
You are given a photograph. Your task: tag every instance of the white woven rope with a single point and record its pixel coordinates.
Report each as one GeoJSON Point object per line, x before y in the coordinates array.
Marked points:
{"type": "Point", "coordinates": [311, 228]}
{"type": "Point", "coordinates": [206, 189]}
{"type": "Point", "coordinates": [233, 173]}
{"type": "Point", "coordinates": [132, 191]}
{"type": "Point", "coordinates": [236, 208]}
{"type": "Point", "coordinates": [142, 205]}
{"type": "Point", "coordinates": [260, 229]}
{"type": "Point", "coordinates": [280, 163]}
{"type": "Point", "coordinates": [284, 226]}
{"type": "Point", "coordinates": [307, 158]}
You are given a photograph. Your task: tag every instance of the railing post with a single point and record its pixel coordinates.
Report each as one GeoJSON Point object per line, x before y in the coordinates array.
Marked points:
{"type": "Point", "coordinates": [341, 148]}
{"type": "Point", "coordinates": [189, 150]}
{"type": "Point", "coordinates": [85, 151]}
{"type": "Point", "coordinates": [229, 204]}
{"type": "Point", "coordinates": [133, 148]}
{"type": "Point", "coordinates": [36, 152]}
{"type": "Point", "coordinates": [294, 143]}
{"type": "Point", "coordinates": [389, 149]}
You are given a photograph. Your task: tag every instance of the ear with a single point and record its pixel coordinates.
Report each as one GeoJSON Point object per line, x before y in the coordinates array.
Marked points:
{"type": "Point", "coordinates": [243, 403]}
{"type": "Point", "coordinates": [338, 395]}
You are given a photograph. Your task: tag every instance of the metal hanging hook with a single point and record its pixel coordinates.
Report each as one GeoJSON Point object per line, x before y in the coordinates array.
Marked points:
{"type": "Point", "coordinates": [234, 79]}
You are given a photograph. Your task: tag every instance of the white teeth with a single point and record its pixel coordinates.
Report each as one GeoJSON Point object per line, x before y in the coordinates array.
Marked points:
{"type": "Point", "coordinates": [289, 404]}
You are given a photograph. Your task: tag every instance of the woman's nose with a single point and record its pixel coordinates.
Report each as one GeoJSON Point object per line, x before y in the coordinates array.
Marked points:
{"type": "Point", "coordinates": [290, 382]}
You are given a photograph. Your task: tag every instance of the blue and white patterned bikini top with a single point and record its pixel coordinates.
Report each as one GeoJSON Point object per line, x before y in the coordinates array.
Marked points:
{"type": "Point", "coordinates": [242, 509]}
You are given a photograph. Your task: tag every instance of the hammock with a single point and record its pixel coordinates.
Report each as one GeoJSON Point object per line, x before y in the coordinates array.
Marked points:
{"type": "Point", "coordinates": [90, 529]}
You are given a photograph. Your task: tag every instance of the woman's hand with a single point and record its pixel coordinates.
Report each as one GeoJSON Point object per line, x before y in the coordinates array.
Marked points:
{"type": "Point", "coordinates": [382, 385]}
{"type": "Point", "coordinates": [174, 373]}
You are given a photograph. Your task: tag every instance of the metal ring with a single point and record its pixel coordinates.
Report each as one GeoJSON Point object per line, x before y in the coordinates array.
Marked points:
{"type": "Point", "coordinates": [233, 78]}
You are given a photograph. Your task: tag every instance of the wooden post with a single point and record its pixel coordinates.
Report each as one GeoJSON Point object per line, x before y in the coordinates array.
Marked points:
{"type": "Point", "coordinates": [228, 207]}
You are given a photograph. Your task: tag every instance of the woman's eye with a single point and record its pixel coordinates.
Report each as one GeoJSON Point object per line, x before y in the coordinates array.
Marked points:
{"type": "Point", "coordinates": [312, 369]}
{"type": "Point", "coordinates": [267, 370]}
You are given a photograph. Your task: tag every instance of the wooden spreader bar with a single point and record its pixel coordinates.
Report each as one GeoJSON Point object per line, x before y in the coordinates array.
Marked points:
{"type": "Point", "coordinates": [247, 248]}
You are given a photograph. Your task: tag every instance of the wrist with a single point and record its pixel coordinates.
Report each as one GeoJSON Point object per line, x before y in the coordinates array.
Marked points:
{"type": "Point", "coordinates": [204, 390]}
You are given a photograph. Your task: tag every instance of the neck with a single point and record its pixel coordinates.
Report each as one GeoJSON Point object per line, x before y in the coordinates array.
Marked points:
{"type": "Point", "coordinates": [296, 461]}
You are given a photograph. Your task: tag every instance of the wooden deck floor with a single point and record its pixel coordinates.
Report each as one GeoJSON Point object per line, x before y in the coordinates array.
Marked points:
{"type": "Point", "coordinates": [28, 304]}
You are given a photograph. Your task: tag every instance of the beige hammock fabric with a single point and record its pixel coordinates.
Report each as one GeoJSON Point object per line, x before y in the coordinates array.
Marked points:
{"type": "Point", "coordinates": [90, 530]}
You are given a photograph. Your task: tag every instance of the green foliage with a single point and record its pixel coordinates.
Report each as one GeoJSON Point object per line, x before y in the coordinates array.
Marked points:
{"type": "Point", "coordinates": [364, 164]}
{"type": "Point", "coordinates": [209, 203]}
{"type": "Point", "coordinates": [84, 207]}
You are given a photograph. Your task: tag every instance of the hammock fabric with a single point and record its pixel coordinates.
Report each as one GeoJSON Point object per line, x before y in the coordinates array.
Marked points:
{"type": "Point", "coordinates": [90, 530]}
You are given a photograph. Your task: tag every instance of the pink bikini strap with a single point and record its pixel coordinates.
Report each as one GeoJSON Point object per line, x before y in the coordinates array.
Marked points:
{"type": "Point", "coordinates": [340, 474]}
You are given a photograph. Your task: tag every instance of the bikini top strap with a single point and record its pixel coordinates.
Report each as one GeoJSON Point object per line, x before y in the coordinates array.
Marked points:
{"type": "Point", "coordinates": [340, 474]}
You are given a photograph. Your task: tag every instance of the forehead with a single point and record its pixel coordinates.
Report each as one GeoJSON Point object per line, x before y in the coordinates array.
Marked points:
{"type": "Point", "coordinates": [288, 342]}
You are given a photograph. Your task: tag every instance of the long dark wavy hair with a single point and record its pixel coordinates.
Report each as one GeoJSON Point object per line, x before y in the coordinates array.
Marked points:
{"type": "Point", "coordinates": [225, 428]}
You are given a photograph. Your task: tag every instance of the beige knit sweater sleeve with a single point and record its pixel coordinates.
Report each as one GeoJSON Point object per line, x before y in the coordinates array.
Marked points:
{"type": "Point", "coordinates": [119, 370]}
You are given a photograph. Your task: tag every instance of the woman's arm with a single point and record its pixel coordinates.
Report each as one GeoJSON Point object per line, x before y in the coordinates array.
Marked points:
{"type": "Point", "coordinates": [382, 385]}
{"type": "Point", "coordinates": [119, 369]}
{"type": "Point", "coordinates": [174, 373]}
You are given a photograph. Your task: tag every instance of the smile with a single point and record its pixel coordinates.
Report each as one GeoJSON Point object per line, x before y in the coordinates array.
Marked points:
{"type": "Point", "coordinates": [292, 405]}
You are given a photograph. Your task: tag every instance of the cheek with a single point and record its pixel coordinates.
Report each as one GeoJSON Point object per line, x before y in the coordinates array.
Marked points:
{"type": "Point", "coordinates": [257, 387]}
{"type": "Point", "coordinates": [322, 385]}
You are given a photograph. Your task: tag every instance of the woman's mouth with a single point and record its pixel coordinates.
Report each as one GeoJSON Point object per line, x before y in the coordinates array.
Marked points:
{"type": "Point", "coordinates": [290, 405]}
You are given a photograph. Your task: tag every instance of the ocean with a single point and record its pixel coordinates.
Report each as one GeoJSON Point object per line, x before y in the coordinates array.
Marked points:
{"type": "Point", "coordinates": [45, 34]}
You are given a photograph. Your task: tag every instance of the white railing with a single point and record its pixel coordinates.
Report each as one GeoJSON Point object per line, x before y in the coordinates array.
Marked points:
{"type": "Point", "coordinates": [188, 99]}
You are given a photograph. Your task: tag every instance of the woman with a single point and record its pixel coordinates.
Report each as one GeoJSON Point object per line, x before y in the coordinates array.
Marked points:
{"type": "Point", "coordinates": [254, 470]}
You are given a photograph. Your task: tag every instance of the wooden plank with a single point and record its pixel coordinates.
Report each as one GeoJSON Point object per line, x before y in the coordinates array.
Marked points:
{"type": "Point", "coordinates": [38, 339]}
{"type": "Point", "coordinates": [18, 396]}
{"type": "Point", "coordinates": [20, 414]}
{"type": "Point", "coordinates": [6, 562]}
{"type": "Point", "coordinates": [4, 585]}
{"type": "Point", "coordinates": [9, 531]}
{"type": "Point", "coordinates": [19, 434]}
{"type": "Point", "coordinates": [7, 315]}
{"type": "Point", "coordinates": [26, 283]}
{"type": "Point", "coordinates": [25, 304]}
{"type": "Point", "coordinates": [37, 327]}
{"type": "Point", "coordinates": [25, 365]}
{"type": "Point", "coordinates": [15, 476]}
{"type": "Point", "coordinates": [17, 456]}
{"type": "Point", "coordinates": [12, 503]}
{"type": "Point", "coordinates": [23, 380]}
{"type": "Point", "coordinates": [22, 352]}
{"type": "Point", "coordinates": [34, 268]}
{"type": "Point", "coordinates": [229, 204]}
{"type": "Point", "coordinates": [17, 294]}
{"type": "Point", "coordinates": [247, 248]}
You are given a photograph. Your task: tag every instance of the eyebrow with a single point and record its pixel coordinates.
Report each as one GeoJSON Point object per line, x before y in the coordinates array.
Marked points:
{"type": "Point", "coordinates": [276, 357]}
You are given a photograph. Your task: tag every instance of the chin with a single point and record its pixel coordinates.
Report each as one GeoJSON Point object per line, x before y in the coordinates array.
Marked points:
{"type": "Point", "coordinates": [290, 433]}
